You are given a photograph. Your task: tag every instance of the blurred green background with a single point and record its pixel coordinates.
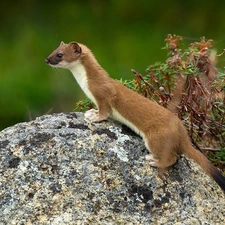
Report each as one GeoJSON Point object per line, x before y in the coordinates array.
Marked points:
{"type": "Point", "coordinates": [123, 35]}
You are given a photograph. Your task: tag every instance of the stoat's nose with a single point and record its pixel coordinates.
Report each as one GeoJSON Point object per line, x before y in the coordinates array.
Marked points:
{"type": "Point", "coordinates": [47, 60]}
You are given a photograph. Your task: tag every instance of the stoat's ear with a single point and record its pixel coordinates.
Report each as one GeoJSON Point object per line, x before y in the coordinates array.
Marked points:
{"type": "Point", "coordinates": [62, 43]}
{"type": "Point", "coordinates": [76, 47]}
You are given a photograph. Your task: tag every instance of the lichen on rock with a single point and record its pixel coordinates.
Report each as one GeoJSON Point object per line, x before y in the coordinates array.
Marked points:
{"type": "Point", "coordinates": [60, 169]}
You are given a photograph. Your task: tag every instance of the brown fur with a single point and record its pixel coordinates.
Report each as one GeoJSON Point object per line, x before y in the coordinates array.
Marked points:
{"type": "Point", "coordinates": [164, 134]}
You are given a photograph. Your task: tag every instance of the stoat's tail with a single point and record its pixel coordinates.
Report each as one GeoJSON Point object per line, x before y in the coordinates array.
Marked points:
{"type": "Point", "coordinates": [206, 165]}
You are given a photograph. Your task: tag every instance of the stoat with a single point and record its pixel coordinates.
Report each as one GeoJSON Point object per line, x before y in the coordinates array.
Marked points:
{"type": "Point", "coordinates": [163, 132]}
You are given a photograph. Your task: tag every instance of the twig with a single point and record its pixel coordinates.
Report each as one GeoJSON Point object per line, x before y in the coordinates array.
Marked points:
{"type": "Point", "coordinates": [209, 149]}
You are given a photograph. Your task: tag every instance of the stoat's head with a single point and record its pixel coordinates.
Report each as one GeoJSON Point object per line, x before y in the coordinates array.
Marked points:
{"type": "Point", "coordinates": [65, 55]}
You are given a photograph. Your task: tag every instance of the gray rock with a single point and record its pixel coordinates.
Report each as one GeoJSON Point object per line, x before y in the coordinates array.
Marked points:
{"type": "Point", "coordinates": [59, 169]}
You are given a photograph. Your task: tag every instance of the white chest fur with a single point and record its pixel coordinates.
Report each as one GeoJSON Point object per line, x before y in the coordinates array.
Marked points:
{"type": "Point", "coordinates": [80, 75]}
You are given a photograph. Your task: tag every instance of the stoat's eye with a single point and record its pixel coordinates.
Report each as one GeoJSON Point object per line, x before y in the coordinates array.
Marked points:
{"type": "Point", "coordinates": [60, 55]}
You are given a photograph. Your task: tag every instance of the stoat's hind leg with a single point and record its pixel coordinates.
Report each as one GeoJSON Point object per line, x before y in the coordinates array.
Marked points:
{"type": "Point", "coordinates": [162, 156]}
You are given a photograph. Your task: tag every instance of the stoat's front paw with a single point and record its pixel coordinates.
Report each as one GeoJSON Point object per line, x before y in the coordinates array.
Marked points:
{"type": "Point", "coordinates": [91, 115]}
